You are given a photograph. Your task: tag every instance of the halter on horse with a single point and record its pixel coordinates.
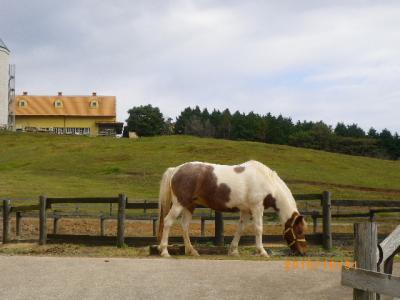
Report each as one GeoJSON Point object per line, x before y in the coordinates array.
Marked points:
{"type": "Point", "coordinates": [250, 188]}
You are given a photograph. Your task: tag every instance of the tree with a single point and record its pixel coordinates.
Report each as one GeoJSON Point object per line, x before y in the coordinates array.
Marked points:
{"type": "Point", "coordinates": [226, 124]}
{"type": "Point", "coordinates": [341, 129]}
{"type": "Point", "coordinates": [183, 120]}
{"type": "Point", "coordinates": [354, 131]}
{"type": "Point", "coordinates": [350, 130]}
{"type": "Point", "coordinates": [278, 129]}
{"type": "Point", "coordinates": [169, 127]}
{"type": "Point", "coordinates": [145, 120]}
{"type": "Point", "coordinates": [372, 133]}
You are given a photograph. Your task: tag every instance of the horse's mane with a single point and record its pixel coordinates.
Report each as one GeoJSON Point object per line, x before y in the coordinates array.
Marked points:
{"type": "Point", "coordinates": [281, 187]}
{"type": "Point", "coordinates": [264, 169]}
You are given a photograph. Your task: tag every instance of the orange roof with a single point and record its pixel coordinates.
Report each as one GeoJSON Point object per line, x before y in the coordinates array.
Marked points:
{"type": "Point", "coordinates": [71, 106]}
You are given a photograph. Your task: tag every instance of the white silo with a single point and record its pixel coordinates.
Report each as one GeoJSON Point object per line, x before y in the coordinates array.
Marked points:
{"type": "Point", "coordinates": [4, 77]}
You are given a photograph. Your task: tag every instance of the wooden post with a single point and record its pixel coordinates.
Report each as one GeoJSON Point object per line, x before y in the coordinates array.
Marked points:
{"type": "Point", "coordinates": [18, 223]}
{"type": "Point", "coordinates": [154, 226]}
{"type": "Point", "coordinates": [327, 220]}
{"type": "Point", "coordinates": [365, 241]}
{"type": "Point", "coordinates": [102, 225]}
{"type": "Point", "coordinates": [6, 220]}
{"type": "Point", "coordinates": [121, 220]}
{"type": "Point", "coordinates": [42, 220]}
{"type": "Point", "coordinates": [371, 216]}
{"type": "Point", "coordinates": [315, 223]}
{"type": "Point", "coordinates": [55, 223]}
{"type": "Point", "coordinates": [219, 229]}
{"type": "Point", "coordinates": [202, 226]}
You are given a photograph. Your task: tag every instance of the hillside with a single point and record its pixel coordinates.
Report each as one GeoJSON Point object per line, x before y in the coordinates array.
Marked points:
{"type": "Point", "coordinates": [34, 164]}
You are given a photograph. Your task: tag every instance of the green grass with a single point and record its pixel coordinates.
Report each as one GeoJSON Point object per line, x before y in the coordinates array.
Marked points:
{"type": "Point", "coordinates": [246, 252]}
{"type": "Point", "coordinates": [35, 164]}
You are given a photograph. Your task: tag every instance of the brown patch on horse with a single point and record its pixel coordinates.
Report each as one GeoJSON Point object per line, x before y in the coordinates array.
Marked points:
{"type": "Point", "coordinates": [239, 169]}
{"type": "Point", "coordinates": [270, 201]}
{"type": "Point", "coordinates": [196, 183]}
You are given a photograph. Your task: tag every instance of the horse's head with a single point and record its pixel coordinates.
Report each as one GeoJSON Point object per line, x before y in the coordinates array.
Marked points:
{"type": "Point", "coordinates": [294, 234]}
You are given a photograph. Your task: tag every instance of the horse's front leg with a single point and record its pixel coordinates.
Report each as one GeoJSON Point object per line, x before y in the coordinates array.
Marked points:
{"type": "Point", "coordinates": [186, 218]}
{"type": "Point", "coordinates": [257, 214]}
{"type": "Point", "coordinates": [244, 218]}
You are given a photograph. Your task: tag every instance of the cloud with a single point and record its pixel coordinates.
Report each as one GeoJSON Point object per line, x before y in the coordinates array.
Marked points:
{"type": "Point", "coordinates": [307, 60]}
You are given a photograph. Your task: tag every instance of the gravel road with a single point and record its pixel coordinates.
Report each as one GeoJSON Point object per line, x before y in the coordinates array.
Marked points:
{"type": "Point", "coordinates": [27, 277]}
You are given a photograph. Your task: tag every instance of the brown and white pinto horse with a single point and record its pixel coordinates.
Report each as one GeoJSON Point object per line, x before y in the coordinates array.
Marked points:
{"type": "Point", "coordinates": [249, 188]}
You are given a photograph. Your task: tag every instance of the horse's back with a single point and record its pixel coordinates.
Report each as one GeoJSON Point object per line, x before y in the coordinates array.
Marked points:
{"type": "Point", "coordinates": [221, 187]}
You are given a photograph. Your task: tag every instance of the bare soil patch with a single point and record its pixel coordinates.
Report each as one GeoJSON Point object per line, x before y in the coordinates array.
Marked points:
{"type": "Point", "coordinates": [91, 226]}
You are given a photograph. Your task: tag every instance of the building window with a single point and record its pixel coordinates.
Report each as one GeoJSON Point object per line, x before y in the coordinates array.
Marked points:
{"type": "Point", "coordinates": [58, 103]}
{"type": "Point", "coordinates": [70, 130]}
{"type": "Point", "coordinates": [58, 130]}
{"type": "Point", "coordinates": [22, 103]}
{"type": "Point", "coordinates": [94, 104]}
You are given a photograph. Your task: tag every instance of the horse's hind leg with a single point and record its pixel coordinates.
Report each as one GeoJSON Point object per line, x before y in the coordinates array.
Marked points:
{"type": "Point", "coordinates": [174, 212]}
{"type": "Point", "coordinates": [244, 218]}
{"type": "Point", "coordinates": [186, 218]}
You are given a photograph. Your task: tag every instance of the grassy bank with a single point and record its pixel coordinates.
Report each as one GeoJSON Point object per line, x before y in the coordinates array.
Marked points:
{"type": "Point", "coordinates": [34, 164]}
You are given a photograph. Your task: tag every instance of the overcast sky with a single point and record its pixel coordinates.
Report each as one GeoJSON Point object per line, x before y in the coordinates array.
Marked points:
{"type": "Point", "coordinates": [338, 61]}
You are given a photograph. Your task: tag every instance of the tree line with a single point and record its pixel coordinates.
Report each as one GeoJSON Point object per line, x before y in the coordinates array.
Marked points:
{"type": "Point", "coordinates": [343, 138]}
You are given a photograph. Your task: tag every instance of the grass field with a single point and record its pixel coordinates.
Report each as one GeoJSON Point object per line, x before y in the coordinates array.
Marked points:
{"type": "Point", "coordinates": [34, 164]}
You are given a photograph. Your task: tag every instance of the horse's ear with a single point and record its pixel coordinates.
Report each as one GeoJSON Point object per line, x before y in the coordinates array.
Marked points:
{"type": "Point", "coordinates": [301, 220]}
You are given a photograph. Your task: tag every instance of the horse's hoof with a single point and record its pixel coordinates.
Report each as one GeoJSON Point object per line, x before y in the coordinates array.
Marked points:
{"type": "Point", "coordinates": [262, 253]}
{"type": "Point", "coordinates": [192, 252]}
{"type": "Point", "coordinates": [234, 253]}
{"type": "Point", "coordinates": [165, 254]}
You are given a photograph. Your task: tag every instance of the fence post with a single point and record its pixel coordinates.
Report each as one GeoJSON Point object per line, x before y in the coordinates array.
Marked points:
{"type": "Point", "coordinates": [42, 220]}
{"type": "Point", "coordinates": [365, 241]}
{"type": "Point", "coordinates": [6, 220]}
{"type": "Point", "coordinates": [219, 229]}
{"type": "Point", "coordinates": [154, 226]}
{"type": "Point", "coordinates": [18, 223]}
{"type": "Point", "coordinates": [314, 220]}
{"type": "Point", "coordinates": [121, 220]}
{"type": "Point", "coordinates": [102, 225]}
{"type": "Point", "coordinates": [326, 220]}
{"type": "Point", "coordinates": [202, 226]}
{"type": "Point", "coordinates": [55, 223]}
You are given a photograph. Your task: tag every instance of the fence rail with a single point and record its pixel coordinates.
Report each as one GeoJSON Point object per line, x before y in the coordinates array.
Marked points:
{"type": "Point", "coordinates": [322, 199]}
{"type": "Point", "coordinates": [369, 256]}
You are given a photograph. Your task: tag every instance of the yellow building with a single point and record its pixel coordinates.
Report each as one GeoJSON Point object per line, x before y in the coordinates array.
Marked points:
{"type": "Point", "coordinates": [82, 115]}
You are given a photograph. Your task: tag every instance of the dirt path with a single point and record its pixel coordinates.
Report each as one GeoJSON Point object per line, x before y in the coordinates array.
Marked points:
{"type": "Point", "coordinates": [120, 278]}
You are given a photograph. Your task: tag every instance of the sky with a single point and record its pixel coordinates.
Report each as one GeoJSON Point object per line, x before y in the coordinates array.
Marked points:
{"type": "Point", "coordinates": [336, 61]}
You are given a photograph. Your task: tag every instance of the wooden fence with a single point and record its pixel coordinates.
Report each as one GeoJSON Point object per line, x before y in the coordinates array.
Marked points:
{"type": "Point", "coordinates": [323, 201]}
{"type": "Point", "coordinates": [370, 257]}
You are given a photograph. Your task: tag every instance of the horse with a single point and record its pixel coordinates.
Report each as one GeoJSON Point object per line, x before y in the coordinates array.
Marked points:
{"type": "Point", "coordinates": [249, 188]}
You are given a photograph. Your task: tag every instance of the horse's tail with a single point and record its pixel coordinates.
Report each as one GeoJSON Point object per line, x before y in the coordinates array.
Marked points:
{"type": "Point", "coordinates": [164, 200]}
